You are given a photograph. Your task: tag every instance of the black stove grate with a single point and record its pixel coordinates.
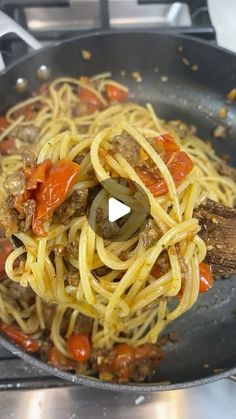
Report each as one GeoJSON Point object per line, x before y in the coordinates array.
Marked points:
{"type": "Point", "coordinates": [12, 48]}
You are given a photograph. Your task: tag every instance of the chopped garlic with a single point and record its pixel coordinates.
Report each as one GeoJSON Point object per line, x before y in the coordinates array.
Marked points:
{"type": "Point", "coordinates": [137, 76]}
{"type": "Point", "coordinates": [86, 54]}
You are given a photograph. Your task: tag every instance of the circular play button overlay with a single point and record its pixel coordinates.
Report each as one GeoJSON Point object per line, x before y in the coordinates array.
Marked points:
{"type": "Point", "coordinates": [120, 209]}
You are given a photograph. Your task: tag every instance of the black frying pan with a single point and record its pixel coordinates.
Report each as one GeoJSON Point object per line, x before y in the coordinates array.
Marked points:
{"type": "Point", "coordinates": [206, 349]}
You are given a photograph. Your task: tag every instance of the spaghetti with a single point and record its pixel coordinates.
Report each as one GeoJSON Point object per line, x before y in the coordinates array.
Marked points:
{"type": "Point", "coordinates": [131, 288]}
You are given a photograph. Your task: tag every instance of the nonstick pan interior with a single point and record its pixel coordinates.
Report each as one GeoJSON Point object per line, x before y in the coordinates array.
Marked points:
{"type": "Point", "coordinates": [183, 79]}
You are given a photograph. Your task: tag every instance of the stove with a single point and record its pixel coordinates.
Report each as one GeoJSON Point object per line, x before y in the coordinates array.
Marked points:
{"type": "Point", "coordinates": [33, 393]}
{"type": "Point", "coordinates": [54, 20]}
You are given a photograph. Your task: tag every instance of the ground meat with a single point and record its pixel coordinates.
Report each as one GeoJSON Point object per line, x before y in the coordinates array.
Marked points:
{"type": "Point", "coordinates": [99, 215]}
{"type": "Point", "coordinates": [164, 261]}
{"type": "Point", "coordinates": [92, 194]}
{"type": "Point", "coordinates": [9, 220]}
{"type": "Point", "coordinates": [14, 184]}
{"type": "Point", "coordinates": [91, 173]}
{"type": "Point", "coordinates": [65, 321]}
{"type": "Point", "coordinates": [124, 254]}
{"type": "Point", "coordinates": [107, 229]}
{"type": "Point", "coordinates": [123, 363]}
{"type": "Point", "coordinates": [19, 294]}
{"type": "Point", "coordinates": [72, 249]}
{"type": "Point", "coordinates": [58, 249]}
{"type": "Point", "coordinates": [183, 268]}
{"type": "Point", "coordinates": [225, 170]}
{"type": "Point", "coordinates": [19, 265]}
{"type": "Point", "coordinates": [28, 133]}
{"type": "Point", "coordinates": [83, 324]}
{"type": "Point", "coordinates": [80, 157]}
{"type": "Point", "coordinates": [75, 206]}
{"type": "Point", "coordinates": [29, 209]}
{"type": "Point", "coordinates": [48, 314]}
{"type": "Point", "coordinates": [122, 220]}
{"type": "Point", "coordinates": [46, 344]}
{"type": "Point", "coordinates": [82, 129]}
{"type": "Point", "coordinates": [72, 278]}
{"type": "Point", "coordinates": [127, 147]}
{"type": "Point", "coordinates": [28, 158]}
{"type": "Point", "coordinates": [80, 110]}
{"type": "Point", "coordinates": [151, 234]}
{"type": "Point", "coordinates": [71, 274]}
{"type": "Point", "coordinates": [103, 270]}
{"type": "Point", "coordinates": [161, 266]}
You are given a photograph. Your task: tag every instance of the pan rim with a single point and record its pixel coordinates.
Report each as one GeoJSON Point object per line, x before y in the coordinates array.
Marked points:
{"type": "Point", "coordinates": [86, 380]}
{"type": "Point", "coordinates": [99, 33]}
{"type": "Point", "coordinates": [79, 379]}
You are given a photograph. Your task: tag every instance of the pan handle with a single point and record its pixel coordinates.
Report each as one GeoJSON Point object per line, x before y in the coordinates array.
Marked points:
{"type": "Point", "coordinates": [8, 25]}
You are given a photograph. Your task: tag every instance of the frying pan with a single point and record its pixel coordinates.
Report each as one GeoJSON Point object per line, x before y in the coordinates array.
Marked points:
{"type": "Point", "coordinates": [206, 346]}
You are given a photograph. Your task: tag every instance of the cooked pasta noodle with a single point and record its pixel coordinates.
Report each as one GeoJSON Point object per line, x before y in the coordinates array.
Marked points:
{"type": "Point", "coordinates": [126, 301]}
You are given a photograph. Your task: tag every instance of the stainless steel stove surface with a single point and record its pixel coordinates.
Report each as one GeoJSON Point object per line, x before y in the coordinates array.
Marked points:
{"type": "Point", "coordinates": [211, 401]}
{"type": "Point", "coordinates": [123, 13]}
{"type": "Point", "coordinates": [33, 394]}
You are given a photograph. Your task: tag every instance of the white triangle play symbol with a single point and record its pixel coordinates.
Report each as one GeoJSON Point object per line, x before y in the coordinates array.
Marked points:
{"type": "Point", "coordinates": [116, 209]}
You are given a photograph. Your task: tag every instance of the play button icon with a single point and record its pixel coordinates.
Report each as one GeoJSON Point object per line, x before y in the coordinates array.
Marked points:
{"type": "Point", "coordinates": [117, 209]}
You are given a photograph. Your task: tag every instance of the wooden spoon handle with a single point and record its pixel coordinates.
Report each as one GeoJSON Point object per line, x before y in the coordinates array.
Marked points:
{"type": "Point", "coordinates": [218, 231]}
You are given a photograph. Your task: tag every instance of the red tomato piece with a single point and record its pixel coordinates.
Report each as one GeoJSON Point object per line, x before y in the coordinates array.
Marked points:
{"type": "Point", "coordinates": [25, 111]}
{"type": "Point", "coordinates": [124, 354]}
{"type": "Point", "coordinates": [79, 347]}
{"type": "Point", "coordinates": [7, 146]}
{"type": "Point", "coordinates": [156, 186]}
{"type": "Point", "coordinates": [165, 143]}
{"type": "Point", "coordinates": [23, 340]}
{"type": "Point", "coordinates": [116, 94]}
{"type": "Point", "coordinates": [39, 174]}
{"type": "Point", "coordinates": [51, 193]}
{"type": "Point", "coordinates": [206, 277]}
{"type": "Point", "coordinates": [58, 360]}
{"type": "Point", "coordinates": [3, 123]}
{"type": "Point", "coordinates": [90, 99]}
{"type": "Point", "coordinates": [147, 349]}
{"type": "Point", "coordinates": [5, 250]}
{"type": "Point", "coordinates": [178, 163]}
